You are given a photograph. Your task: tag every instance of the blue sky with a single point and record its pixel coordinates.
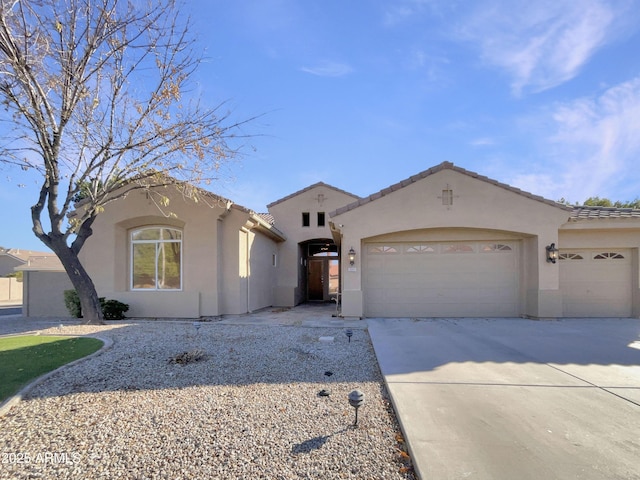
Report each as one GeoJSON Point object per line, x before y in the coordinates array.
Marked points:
{"type": "Point", "coordinates": [542, 95]}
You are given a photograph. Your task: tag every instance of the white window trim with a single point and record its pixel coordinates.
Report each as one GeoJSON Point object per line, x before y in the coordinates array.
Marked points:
{"type": "Point", "coordinates": [133, 242]}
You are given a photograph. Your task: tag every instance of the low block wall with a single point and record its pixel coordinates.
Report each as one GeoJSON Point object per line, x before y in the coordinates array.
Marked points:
{"type": "Point", "coordinates": [44, 294]}
{"type": "Point", "coordinates": [10, 290]}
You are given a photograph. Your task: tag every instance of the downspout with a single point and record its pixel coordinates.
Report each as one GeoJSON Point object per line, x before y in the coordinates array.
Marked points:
{"type": "Point", "coordinates": [247, 229]}
{"type": "Point", "coordinates": [220, 257]}
{"type": "Point", "coordinates": [248, 269]}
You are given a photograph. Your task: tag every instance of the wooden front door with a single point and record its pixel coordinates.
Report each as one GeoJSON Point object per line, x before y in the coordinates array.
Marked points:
{"type": "Point", "coordinates": [316, 279]}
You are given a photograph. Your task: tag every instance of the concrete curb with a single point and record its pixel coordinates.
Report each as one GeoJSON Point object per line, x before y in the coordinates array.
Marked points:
{"type": "Point", "coordinates": [15, 399]}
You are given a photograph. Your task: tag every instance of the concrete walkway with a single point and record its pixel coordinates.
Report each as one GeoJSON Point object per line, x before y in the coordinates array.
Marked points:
{"type": "Point", "coordinates": [306, 315]}
{"type": "Point", "coordinates": [506, 399]}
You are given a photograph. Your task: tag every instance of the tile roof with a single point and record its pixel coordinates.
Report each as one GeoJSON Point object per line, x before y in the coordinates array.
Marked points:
{"type": "Point", "coordinates": [24, 255]}
{"type": "Point", "coordinates": [310, 187]}
{"type": "Point", "coordinates": [267, 217]}
{"type": "Point", "coordinates": [438, 168]}
{"type": "Point", "coordinates": [585, 212]}
{"type": "Point", "coordinates": [42, 262]}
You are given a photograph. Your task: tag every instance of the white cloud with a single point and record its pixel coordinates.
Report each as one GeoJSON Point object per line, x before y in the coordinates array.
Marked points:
{"type": "Point", "coordinates": [593, 148]}
{"type": "Point", "coordinates": [329, 69]}
{"type": "Point", "coordinates": [544, 43]}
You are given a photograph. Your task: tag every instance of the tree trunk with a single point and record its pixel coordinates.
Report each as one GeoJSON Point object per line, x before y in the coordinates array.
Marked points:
{"type": "Point", "coordinates": [89, 301]}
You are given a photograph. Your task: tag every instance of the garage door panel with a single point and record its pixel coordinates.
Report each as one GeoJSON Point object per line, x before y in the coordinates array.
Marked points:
{"type": "Point", "coordinates": [446, 280]}
{"type": "Point", "coordinates": [596, 283]}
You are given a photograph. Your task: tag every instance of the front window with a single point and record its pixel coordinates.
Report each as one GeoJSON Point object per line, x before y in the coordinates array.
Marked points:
{"type": "Point", "coordinates": [156, 259]}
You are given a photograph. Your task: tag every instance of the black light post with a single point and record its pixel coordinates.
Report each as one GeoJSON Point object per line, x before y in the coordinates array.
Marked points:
{"type": "Point", "coordinates": [356, 399]}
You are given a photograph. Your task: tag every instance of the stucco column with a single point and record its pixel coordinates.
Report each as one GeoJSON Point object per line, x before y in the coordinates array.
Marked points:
{"type": "Point", "coordinates": [635, 283]}
{"type": "Point", "coordinates": [544, 298]}
{"type": "Point", "coordinates": [351, 278]}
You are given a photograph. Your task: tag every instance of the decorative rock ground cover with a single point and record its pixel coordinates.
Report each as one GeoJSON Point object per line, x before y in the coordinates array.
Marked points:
{"type": "Point", "coordinates": [249, 408]}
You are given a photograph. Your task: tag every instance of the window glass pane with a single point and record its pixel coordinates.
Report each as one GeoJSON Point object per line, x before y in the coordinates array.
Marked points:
{"type": "Point", "coordinates": [156, 259]}
{"type": "Point", "coordinates": [144, 265]}
{"type": "Point", "coordinates": [420, 249]}
{"type": "Point", "coordinates": [570, 256]}
{"type": "Point", "coordinates": [457, 248]}
{"type": "Point", "coordinates": [146, 234]}
{"type": "Point", "coordinates": [334, 277]}
{"type": "Point", "coordinates": [607, 256]}
{"type": "Point", "coordinates": [382, 249]}
{"type": "Point", "coordinates": [305, 219]}
{"type": "Point", "coordinates": [171, 234]}
{"type": "Point", "coordinates": [321, 219]}
{"type": "Point", "coordinates": [496, 247]}
{"type": "Point", "coordinates": [169, 265]}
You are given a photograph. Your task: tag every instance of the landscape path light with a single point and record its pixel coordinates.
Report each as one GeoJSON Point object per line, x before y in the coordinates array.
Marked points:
{"type": "Point", "coordinates": [356, 399]}
{"type": "Point", "coordinates": [349, 334]}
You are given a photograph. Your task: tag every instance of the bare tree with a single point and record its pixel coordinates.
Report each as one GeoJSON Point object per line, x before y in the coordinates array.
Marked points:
{"type": "Point", "coordinates": [97, 99]}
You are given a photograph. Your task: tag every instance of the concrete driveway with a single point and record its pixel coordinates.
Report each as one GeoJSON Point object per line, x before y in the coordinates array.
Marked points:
{"type": "Point", "coordinates": [506, 399]}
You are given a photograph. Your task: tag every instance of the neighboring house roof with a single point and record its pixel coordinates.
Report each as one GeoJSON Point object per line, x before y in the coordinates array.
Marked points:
{"type": "Point", "coordinates": [42, 262]}
{"type": "Point", "coordinates": [585, 212]}
{"type": "Point", "coordinates": [23, 255]}
{"type": "Point", "coordinates": [310, 187]}
{"type": "Point", "coordinates": [436, 169]}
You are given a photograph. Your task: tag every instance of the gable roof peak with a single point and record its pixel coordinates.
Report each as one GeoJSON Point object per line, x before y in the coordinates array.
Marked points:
{"type": "Point", "coordinates": [311, 187]}
{"type": "Point", "coordinates": [435, 169]}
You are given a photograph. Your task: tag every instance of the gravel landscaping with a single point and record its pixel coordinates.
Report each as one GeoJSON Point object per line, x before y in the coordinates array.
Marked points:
{"type": "Point", "coordinates": [249, 408]}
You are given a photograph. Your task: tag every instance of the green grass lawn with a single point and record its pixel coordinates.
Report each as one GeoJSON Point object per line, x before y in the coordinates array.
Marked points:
{"type": "Point", "coordinates": [24, 358]}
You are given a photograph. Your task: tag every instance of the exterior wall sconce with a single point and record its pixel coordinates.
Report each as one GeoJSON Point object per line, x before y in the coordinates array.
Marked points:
{"type": "Point", "coordinates": [352, 256]}
{"type": "Point", "coordinates": [552, 253]}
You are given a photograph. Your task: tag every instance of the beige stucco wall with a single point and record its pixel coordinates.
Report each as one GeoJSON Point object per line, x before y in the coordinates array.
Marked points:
{"type": "Point", "coordinates": [10, 290]}
{"type": "Point", "coordinates": [288, 218]}
{"type": "Point", "coordinates": [43, 294]}
{"type": "Point", "coordinates": [479, 207]}
{"type": "Point", "coordinates": [212, 280]}
{"type": "Point", "coordinates": [262, 273]}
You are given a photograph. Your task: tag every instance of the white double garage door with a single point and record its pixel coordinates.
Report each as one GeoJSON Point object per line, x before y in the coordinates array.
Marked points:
{"type": "Point", "coordinates": [482, 279]}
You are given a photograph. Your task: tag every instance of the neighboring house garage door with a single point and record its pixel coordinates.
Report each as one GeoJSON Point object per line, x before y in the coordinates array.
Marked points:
{"type": "Point", "coordinates": [455, 279]}
{"type": "Point", "coordinates": [596, 283]}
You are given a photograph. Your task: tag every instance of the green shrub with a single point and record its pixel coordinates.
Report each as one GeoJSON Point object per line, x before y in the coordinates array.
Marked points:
{"type": "Point", "coordinates": [19, 275]}
{"type": "Point", "coordinates": [111, 309]}
{"type": "Point", "coordinates": [72, 302]}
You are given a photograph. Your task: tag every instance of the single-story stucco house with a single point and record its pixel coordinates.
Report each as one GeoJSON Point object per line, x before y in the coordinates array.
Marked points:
{"type": "Point", "coordinates": [17, 257]}
{"type": "Point", "coordinates": [446, 242]}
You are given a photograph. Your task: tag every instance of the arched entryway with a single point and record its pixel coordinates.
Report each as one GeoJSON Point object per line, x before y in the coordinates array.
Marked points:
{"type": "Point", "coordinates": [321, 270]}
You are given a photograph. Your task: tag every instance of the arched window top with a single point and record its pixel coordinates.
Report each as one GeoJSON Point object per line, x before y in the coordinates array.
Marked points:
{"type": "Point", "coordinates": [156, 234]}
{"type": "Point", "coordinates": [496, 247]}
{"type": "Point", "coordinates": [382, 249]}
{"type": "Point", "coordinates": [570, 256]}
{"type": "Point", "coordinates": [608, 256]}
{"type": "Point", "coordinates": [457, 248]}
{"type": "Point", "coordinates": [420, 249]}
